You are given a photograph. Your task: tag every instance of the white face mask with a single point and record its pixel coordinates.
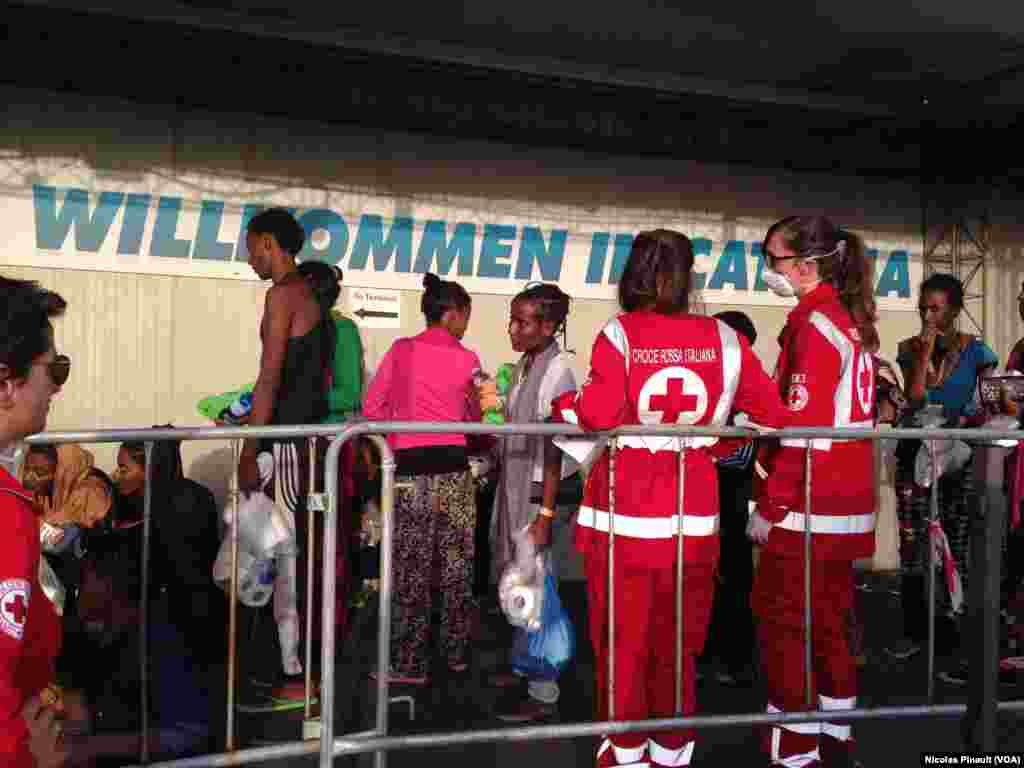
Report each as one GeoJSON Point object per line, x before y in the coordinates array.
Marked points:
{"type": "Point", "coordinates": [778, 283]}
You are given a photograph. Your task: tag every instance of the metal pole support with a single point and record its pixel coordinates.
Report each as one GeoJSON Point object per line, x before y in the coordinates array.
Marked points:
{"type": "Point", "coordinates": [680, 556]}
{"type": "Point", "coordinates": [988, 526]}
{"type": "Point", "coordinates": [808, 688]}
{"type": "Point", "coordinates": [613, 445]}
{"type": "Point", "coordinates": [147, 538]}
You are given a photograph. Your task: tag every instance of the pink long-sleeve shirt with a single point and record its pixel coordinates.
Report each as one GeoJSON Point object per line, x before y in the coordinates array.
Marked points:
{"type": "Point", "coordinates": [428, 377]}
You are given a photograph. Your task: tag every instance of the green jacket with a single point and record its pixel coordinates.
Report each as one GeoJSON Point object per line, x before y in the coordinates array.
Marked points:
{"type": "Point", "coordinates": [346, 394]}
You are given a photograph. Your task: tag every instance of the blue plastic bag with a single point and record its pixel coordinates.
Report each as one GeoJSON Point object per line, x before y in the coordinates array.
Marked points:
{"type": "Point", "coordinates": [545, 653]}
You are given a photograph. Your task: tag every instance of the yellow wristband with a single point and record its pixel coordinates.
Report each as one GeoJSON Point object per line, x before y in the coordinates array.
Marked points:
{"type": "Point", "coordinates": [545, 512]}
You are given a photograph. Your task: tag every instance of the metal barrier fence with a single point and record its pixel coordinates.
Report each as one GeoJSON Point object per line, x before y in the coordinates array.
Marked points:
{"type": "Point", "coordinates": [979, 713]}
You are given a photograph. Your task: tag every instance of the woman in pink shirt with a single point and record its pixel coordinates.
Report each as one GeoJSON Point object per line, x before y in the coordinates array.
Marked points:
{"type": "Point", "coordinates": [429, 377]}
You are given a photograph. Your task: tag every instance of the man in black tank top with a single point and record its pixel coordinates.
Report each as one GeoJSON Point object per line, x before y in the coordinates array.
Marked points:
{"type": "Point", "coordinates": [291, 389]}
{"type": "Point", "coordinates": [292, 384]}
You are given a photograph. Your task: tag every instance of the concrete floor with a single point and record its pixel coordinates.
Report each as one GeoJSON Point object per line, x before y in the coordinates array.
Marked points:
{"type": "Point", "coordinates": [458, 705]}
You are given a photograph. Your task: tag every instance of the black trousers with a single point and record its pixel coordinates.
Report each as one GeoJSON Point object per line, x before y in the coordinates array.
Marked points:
{"type": "Point", "coordinates": [731, 633]}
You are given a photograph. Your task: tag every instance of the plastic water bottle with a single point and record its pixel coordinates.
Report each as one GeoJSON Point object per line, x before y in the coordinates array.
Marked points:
{"type": "Point", "coordinates": [238, 410]}
{"type": "Point", "coordinates": [242, 406]}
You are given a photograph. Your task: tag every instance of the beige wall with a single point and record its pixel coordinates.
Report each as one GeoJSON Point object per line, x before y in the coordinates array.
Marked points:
{"type": "Point", "coordinates": [147, 347]}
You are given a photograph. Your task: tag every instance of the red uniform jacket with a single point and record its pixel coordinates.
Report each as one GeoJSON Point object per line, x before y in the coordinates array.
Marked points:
{"type": "Point", "coordinates": [648, 368]}
{"type": "Point", "coordinates": [29, 625]}
{"type": "Point", "coordinates": [827, 379]}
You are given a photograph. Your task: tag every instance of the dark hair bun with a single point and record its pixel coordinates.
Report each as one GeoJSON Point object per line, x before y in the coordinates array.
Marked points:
{"type": "Point", "coordinates": [431, 282]}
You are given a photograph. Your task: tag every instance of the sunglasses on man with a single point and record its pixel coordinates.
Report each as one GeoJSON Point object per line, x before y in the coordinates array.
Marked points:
{"type": "Point", "coordinates": [59, 369]}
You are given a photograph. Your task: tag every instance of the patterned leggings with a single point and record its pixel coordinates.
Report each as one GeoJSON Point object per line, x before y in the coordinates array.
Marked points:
{"type": "Point", "coordinates": [435, 519]}
{"type": "Point", "coordinates": [913, 505]}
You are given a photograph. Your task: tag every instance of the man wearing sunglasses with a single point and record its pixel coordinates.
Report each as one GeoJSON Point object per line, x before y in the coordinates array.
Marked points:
{"type": "Point", "coordinates": [31, 373]}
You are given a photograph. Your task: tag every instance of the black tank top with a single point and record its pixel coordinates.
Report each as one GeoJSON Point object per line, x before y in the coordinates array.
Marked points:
{"type": "Point", "coordinates": [302, 393]}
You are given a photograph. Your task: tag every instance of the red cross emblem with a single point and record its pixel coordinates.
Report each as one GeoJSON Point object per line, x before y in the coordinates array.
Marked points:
{"type": "Point", "coordinates": [865, 380]}
{"type": "Point", "coordinates": [13, 607]}
{"type": "Point", "coordinates": [673, 395]}
{"type": "Point", "coordinates": [674, 402]}
{"type": "Point", "coordinates": [16, 609]}
{"type": "Point", "coordinates": [798, 397]}
{"type": "Point", "coordinates": [865, 384]}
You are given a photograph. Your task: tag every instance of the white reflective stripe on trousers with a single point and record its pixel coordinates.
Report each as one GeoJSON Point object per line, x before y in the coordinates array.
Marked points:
{"type": "Point", "coordinates": [807, 729]}
{"type": "Point", "coordinates": [624, 756]}
{"type": "Point", "coordinates": [670, 757]}
{"type": "Point", "coordinates": [648, 527]}
{"type": "Point", "coordinates": [800, 759]}
{"type": "Point", "coordinates": [795, 521]}
{"type": "Point", "coordinates": [841, 732]}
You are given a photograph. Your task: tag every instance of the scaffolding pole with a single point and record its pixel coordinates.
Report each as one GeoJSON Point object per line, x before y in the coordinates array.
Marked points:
{"type": "Point", "coordinates": [956, 233]}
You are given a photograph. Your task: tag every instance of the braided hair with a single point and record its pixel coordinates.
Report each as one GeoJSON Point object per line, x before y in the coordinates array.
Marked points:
{"type": "Point", "coordinates": [552, 305]}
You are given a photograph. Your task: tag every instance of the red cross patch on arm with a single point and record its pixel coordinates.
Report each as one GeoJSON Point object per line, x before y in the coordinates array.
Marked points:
{"type": "Point", "coordinates": [14, 596]}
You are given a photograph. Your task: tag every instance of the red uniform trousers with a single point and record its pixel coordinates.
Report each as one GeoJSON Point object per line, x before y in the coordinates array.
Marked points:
{"type": "Point", "coordinates": [778, 603]}
{"type": "Point", "coordinates": [645, 650]}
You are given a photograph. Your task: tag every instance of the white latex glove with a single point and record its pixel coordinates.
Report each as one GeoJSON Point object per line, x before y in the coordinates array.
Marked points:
{"type": "Point", "coordinates": [758, 528]}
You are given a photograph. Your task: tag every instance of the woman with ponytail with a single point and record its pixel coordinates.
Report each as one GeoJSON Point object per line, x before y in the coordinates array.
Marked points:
{"type": "Point", "coordinates": [825, 374]}
{"type": "Point", "coordinates": [342, 348]}
{"type": "Point", "coordinates": [342, 351]}
{"type": "Point", "coordinates": [429, 377]}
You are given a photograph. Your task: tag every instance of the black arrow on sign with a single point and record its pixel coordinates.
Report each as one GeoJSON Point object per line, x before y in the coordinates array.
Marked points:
{"type": "Point", "coordinates": [371, 313]}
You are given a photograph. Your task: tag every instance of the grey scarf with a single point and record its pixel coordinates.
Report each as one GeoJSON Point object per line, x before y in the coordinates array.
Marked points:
{"type": "Point", "coordinates": [512, 507]}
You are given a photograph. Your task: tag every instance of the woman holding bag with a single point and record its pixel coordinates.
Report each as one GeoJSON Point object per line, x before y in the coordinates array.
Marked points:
{"type": "Point", "coordinates": [429, 377]}
{"type": "Point", "coordinates": [532, 470]}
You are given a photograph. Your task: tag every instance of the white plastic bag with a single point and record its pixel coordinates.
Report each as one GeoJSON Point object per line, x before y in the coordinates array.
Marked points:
{"type": "Point", "coordinates": [521, 587]}
{"type": "Point", "coordinates": [265, 533]}
{"type": "Point", "coordinates": [950, 456]}
{"type": "Point", "coordinates": [265, 529]}
{"type": "Point", "coordinates": [255, 577]}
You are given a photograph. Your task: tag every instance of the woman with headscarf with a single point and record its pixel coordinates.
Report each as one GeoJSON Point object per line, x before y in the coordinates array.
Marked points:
{"type": "Point", "coordinates": [71, 493]}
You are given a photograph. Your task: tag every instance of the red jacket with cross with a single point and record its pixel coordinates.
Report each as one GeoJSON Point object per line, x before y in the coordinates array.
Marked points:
{"type": "Point", "coordinates": [827, 378]}
{"type": "Point", "coordinates": [29, 625]}
{"type": "Point", "coordinates": [648, 368]}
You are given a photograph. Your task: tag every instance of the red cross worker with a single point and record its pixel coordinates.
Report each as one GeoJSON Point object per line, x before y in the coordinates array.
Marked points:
{"type": "Point", "coordinates": [657, 364]}
{"type": "Point", "coordinates": [31, 373]}
{"type": "Point", "coordinates": [826, 374]}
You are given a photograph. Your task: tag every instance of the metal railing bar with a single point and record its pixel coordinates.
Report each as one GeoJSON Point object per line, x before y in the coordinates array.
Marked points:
{"type": "Point", "coordinates": [380, 742]}
{"type": "Point", "coordinates": [472, 428]}
{"type": "Point", "coordinates": [352, 746]}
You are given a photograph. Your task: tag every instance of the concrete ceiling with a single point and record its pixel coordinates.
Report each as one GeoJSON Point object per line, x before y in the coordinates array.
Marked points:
{"type": "Point", "coordinates": [900, 88]}
{"type": "Point", "coordinates": [872, 56]}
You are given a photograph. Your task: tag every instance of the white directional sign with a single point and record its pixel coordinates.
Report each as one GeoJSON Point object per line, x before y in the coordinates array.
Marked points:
{"type": "Point", "coordinates": [375, 307]}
